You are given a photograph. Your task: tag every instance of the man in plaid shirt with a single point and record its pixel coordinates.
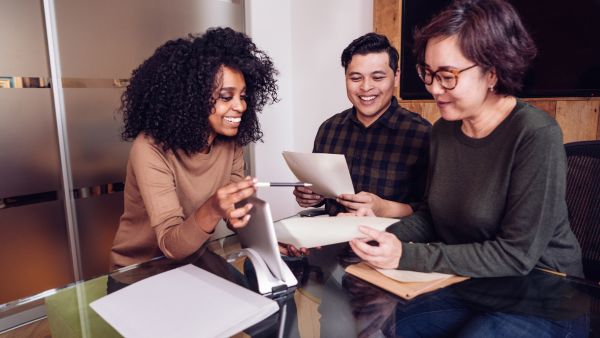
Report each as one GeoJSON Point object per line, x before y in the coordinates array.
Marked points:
{"type": "Point", "coordinates": [385, 145]}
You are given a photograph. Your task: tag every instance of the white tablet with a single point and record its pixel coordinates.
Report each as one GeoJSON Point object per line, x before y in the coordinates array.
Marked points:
{"type": "Point", "coordinates": [259, 234]}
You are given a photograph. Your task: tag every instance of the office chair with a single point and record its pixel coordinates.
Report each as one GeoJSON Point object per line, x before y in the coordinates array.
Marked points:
{"type": "Point", "coordinates": [583, 201]}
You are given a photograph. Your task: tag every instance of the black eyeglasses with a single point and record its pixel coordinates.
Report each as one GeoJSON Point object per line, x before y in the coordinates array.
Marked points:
{"type": "Point", "coordinates": [447, 78]}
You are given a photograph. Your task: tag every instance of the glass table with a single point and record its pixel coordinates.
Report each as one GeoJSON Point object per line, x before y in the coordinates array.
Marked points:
{"type": "Point", "coordinates": [330, 303]}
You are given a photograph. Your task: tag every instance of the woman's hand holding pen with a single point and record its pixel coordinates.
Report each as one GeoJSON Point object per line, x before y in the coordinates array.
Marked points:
{"type": "Point", "coordinates": [306, 197]}
{"type": "Point", "coordinates": [222, 205]}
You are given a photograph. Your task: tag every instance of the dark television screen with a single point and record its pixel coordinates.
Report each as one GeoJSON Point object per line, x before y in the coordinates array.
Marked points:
{"type": "Point", "coordinates": [566, 33]}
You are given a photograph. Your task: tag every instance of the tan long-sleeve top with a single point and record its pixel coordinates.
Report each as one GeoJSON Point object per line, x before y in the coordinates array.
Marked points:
{"type": "Point", "coordinates": [163, 189]}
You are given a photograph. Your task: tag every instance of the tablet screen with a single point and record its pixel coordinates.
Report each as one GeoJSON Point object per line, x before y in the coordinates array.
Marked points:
{"type": "Point", "coordinates": [259, 234]}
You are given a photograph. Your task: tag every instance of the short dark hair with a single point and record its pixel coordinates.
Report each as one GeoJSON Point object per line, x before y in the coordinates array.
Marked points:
{"type": "Point", "coordinates": [490, 33]}
{"type": "Point", "coordinates": [370, 43]}
{"type": "Point", "coordinates": [170, 95]}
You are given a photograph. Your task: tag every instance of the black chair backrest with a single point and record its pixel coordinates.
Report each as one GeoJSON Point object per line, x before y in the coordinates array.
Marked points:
{"type": "Point", "coordinates": [583, 201]}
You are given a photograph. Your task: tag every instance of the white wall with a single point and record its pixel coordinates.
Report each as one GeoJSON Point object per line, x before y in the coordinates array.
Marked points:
{"type": "Point", "coordinates": [305, 39]}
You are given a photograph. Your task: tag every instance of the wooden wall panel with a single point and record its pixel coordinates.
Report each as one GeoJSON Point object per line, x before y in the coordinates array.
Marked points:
{"type": "Point", "coordinates": [578, 119]}
{"type": "Point", "coordinates": [386, 20]}
{"type": "Point", "coordinates": [388, 14]}
{"type": "Point", "coordinates": [598, 131]}
{"type": "Point", "coordinates": [427, 109]}
{"type": "Point", "coordinates": [548, 106]}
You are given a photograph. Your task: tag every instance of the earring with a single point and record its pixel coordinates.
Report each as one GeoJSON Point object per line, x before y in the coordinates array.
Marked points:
{"type": "Point", "coordinates": [492, 88]}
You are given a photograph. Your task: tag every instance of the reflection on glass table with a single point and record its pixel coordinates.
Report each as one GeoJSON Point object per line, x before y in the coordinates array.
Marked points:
{"type": "Point", "coordinates": [330, 303]}
{"type": "Point", "coordinates": [533, 305]}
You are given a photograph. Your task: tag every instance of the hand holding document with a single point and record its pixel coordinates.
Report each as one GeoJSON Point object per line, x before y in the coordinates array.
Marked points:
{"type": "Point", "coordinates": [328, 173]}
{"type": "Point", "coordinates": [310, 232]}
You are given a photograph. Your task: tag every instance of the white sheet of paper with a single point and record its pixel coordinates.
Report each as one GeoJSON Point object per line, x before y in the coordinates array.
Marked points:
{"type": "Point", "coordinates": [328, 173]}
{"type": "Point", "coordinates": [184, 302]}
{"type": "Point", "coordinates": [413, 276]}
{"type": "Point", "coordinates": [309, 232]}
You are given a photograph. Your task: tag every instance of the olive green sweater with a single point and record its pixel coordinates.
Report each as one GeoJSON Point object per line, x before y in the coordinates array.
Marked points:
{"type": "Point", "coordinates": [494, 206]}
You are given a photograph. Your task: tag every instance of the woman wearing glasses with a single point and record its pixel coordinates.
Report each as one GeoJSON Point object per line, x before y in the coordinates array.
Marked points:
{"type": "Point", "coordinates": [495, 202]}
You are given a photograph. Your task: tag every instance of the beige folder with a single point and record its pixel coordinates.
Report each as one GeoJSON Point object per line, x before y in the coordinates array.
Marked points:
{"type": "Point", "coordinates": [406, 290]}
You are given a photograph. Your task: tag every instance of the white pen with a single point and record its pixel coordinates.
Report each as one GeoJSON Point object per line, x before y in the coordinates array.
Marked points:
{"type": "Point", "coordinates": [282, 184]}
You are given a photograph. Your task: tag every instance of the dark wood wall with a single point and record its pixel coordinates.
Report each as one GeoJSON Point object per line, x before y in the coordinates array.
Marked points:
{"type": "Point", "coordinates": [579, 118]}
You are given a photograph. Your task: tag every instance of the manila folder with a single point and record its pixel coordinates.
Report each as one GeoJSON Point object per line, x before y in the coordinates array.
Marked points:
{"type": "Point", "coordinates": [406, 290]}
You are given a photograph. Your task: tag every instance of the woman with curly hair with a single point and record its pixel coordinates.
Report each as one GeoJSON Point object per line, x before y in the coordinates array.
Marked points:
{"type": "Point", "coordinates": [189, 109]}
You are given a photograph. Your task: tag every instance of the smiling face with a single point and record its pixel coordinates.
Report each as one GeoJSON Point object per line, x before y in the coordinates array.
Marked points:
{"type": "Point", "coordinates": [467, 99]}
{"type": "Point", "coordinates": [230, 103]}
{"type": "Point", "coordinates": [370, 85]}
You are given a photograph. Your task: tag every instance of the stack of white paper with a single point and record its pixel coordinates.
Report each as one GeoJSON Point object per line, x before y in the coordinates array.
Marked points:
{"type": "Point", "coordinates": [184, 302]}
{"type": "Point", "coordinates": [309, 232]}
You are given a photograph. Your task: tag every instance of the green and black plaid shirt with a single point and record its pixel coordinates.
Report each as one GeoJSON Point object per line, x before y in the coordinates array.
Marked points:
{"type": "Point", "coordinates": [389, 158]}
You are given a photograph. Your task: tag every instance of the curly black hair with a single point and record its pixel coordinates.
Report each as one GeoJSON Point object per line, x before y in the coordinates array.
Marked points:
{"type": "Point", "coordinates": [170, 95]}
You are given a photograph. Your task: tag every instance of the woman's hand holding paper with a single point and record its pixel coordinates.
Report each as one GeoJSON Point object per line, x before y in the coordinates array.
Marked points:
{"type": "Point", "coordinates": [385, 256]}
